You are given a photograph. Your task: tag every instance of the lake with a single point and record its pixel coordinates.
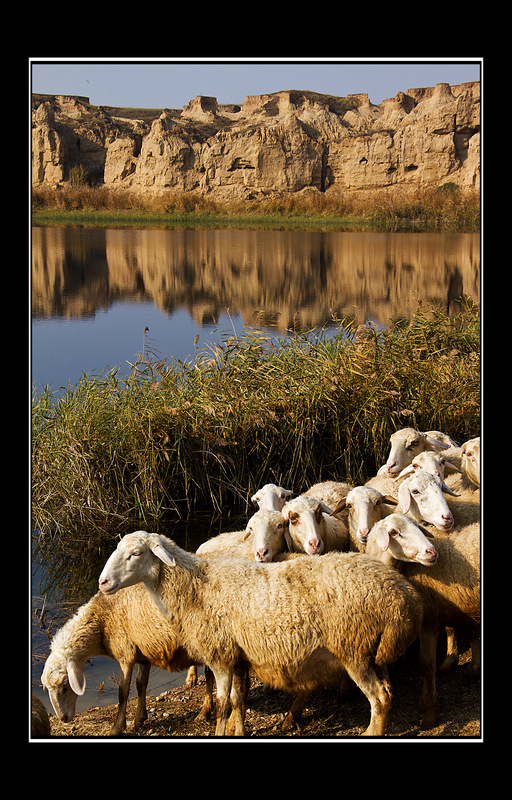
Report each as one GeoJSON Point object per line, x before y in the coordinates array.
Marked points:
{"type": "Point", "coordinates": [94, 292]}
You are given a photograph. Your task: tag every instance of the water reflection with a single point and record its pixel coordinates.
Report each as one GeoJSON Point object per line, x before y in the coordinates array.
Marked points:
{"type": "Point", "coordinates": [288, 277]}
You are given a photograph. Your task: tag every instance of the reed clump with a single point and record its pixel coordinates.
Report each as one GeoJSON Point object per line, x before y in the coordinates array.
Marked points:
{"type": "Point", "coordinates": [446, 208]}
{"type": "Point", "coordinates": [173, 436]}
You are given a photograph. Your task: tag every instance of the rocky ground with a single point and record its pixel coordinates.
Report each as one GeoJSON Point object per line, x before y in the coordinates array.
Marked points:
{"type": "Point", "coordinates": [173, 714]}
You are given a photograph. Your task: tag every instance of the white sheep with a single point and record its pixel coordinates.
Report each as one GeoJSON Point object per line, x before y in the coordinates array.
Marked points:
{"type": "Point", "coordinates": [432, 462]}
{"type": "Point", "coordinates": [420, 495]}
{"type": "Point", "coordinates": [407, 443]}
{"type": "Point", "coordinates": [449, 586]}
{"type": "Point", "coordinates": [295, 616]}
{"type": "Point", "coordinates": [126, 627]}
{"type": "Point", "coordinates": [311, 528]}
{"type": "Point", "coordinates": [265, 536]}
{"type": "Point", "coordinates": [365, 507]}
{"type": "Point", "coordinates": [271, 497]}
{"type": "Point", "coordinates": [470, 451]}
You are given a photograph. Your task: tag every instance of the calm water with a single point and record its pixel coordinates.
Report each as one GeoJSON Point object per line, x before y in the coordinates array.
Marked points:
{"type": "Point", "coordinates": [95, 291]}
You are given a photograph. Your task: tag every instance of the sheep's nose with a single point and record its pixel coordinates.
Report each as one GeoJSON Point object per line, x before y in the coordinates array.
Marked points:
{"type": "Point", "coordinates": [262, 554]}
{"type": "Point", "coordinates": [363, 534]}
{"type": "Point", "coordinates": [315, 544]}
{"type": "Point", "coordinates": [431, 553]}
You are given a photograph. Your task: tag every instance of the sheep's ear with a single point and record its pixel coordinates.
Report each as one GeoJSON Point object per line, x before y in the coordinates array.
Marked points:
{"type": "Point", "coordinates": [256, 498]}
{"type": "Point", "coordinates": [404, 498]}
{"type": "Point", "coordinates": [426, 533]}
{"type": "Point", "coordinates": [285, 493]}
{"type": "Point", "coordinates": [247, 534]}
{"type": "Point", "coordinates": [381, 537]}
{"type": "Point", "coordinates": [447, 489]}
{"type": "Point", "coordinates": [406, 471]}
{"type": "Point", "coordinates": [449, 467]}
{"type": "Point", "coordinates": [341, 505]}
{"type": "Point", "coordinates": [437, 443]}
{"type": "Point", "coordinates": [325, 508]}
{"type": "Point", "coordinates": [76, 677]}
{"type": "Point", "coordinates": [288, 539]}
{"type": "Point", "coordinates": [161, 553]}
{"type": "Point", "coordinates": [390, 501]}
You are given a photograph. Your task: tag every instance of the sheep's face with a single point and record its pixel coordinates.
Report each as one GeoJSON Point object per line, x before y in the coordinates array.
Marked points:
{"type": "Point", "coordinates": [471, 460]}
{"type": "Point", "coordinates": [405, 540]}
{"type": "Point", "coordinates": [422, 497]}
{"type": "Point", "coordinates": [365, 509]}
{"type": "Point", "coordinates": [305, 528]}
{"type": "Point", "coordinates": [271, 497]}
{"type": "Point", "coordinates": [269, 530]}
{"type": "Point", "coordinates": [64, 683]}
{"type": "Point", "coordinates": [133, 561]}
{"type": "Point", "coordinates": [405, 445]}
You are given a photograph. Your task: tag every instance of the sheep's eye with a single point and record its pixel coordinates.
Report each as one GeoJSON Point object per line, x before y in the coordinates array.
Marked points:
{"type": "Point", "coordinates": [415, 491]}
{"type": "Point", "coordinates": [349, 506]}
{"type": "Point", "coordinates": [294, 518]}
{"type": "Point", "coordinates": [135, 553]}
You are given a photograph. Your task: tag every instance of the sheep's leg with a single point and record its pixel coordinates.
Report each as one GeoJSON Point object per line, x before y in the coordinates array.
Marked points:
{"type": "Point", "coordinates": [208, 696]}
{"type": "Point", "coordinates": [378, 692]}
{"type": "Point", "coordinates": [238, 696]}
{"type": "Point", "coordinates": [294, 715]}
{"type": "Point", "coordinates": [452, 652]}
{"type": "Point", "coordinates": [141, 682]}
{"type": "Point", "coordinates": [223, 680]}
{"type": "Point", "coordinates": [123, 691]}
{"type": "Point", "coordinates": [191, 676]}
{"type": "Point", "coordinates": [428, 648]}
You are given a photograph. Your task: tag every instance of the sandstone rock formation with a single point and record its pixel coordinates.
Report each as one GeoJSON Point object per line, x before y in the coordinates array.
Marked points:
{"type": "Point", "coordinates": [288, 141]}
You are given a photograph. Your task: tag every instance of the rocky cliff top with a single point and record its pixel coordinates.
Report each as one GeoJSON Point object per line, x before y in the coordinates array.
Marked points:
{"type": "Point", "coordinates": [286, 141]}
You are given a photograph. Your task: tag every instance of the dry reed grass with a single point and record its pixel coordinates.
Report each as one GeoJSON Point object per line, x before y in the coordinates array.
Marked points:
{"type": "Point", "coordinates": [176, 436]}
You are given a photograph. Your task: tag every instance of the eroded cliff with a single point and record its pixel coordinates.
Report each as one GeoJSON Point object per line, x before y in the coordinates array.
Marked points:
{"type": "Point", "coordinates": [289, 141]}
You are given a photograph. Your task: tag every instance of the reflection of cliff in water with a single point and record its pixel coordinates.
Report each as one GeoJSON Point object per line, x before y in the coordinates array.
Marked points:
{"type": "Point", "coordinates": [281, 276]}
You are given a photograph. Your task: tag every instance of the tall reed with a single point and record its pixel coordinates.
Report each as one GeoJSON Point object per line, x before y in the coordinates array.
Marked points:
{"type": "Point", "coordinates": [172, 436]}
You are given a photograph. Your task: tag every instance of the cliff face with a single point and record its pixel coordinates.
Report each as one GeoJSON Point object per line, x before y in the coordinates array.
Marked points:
{"type": "Point", "coordinates": [284, 142]}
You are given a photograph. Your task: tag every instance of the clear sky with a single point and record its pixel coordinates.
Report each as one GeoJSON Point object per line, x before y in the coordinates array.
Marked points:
{"type": "Point", "coordinates": [172, 84]}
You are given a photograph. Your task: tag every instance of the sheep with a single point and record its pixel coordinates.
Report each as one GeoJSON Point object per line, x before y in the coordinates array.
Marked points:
{"type": "Point", "coordinates": [365, 506]}
{"type": "Point", "coordinates": [126, 627]}
{"type": "Point", "coordinates": [271, 497]}
{"type": "Point", "coordinates": [265, 536]}
{"type": "Point", "coordinates": [449, 586]}
{"type": "Point", "coordinates": [421, 496]}
{"type": "Point", "coordinates": [471, 460]}
{"type": "Point", "coordinates": [432, 462]}
{"type": "Point", "coordinates": [297, 616]}
{"type": "Point", "coordinates": [311, 528]}
{"type": "Point", "coordinates": [40, 721]}
{"type": "Point", "coordinates": [407, 443]}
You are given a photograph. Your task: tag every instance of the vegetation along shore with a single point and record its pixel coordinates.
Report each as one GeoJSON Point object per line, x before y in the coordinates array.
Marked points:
{"type": "Point", "coordinates": [445, 208]}
{"type": "Point", "coordinates": [170, 437]}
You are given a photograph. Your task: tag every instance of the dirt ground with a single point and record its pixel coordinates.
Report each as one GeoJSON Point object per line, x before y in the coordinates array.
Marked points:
{"type": "Point", "coordinates": [326, 716]}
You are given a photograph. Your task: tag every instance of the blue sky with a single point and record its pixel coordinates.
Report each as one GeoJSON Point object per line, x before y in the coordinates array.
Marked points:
{"type": "Point", "coordinates": [172, 84]}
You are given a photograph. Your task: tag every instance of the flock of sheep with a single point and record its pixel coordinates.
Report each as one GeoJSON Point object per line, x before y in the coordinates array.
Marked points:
{"type": "Point", "coordinates": [319, 590]}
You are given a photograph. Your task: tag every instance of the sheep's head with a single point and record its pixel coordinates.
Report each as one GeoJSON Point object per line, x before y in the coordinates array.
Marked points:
{"type": "Point", "coordinates": [422, 497]}
{"type": "Point", "coordinates": [133, 561]}
{"type": "Point", "coordinates": [405, 540]}
{"type": "Point", "coordinates": [470, 451]}
{"type": "Point", "coordinates": [271, 497]}
{"type": "Point", "coordinates": [64, 680]}
{"type": "Point", "coordinates": [269, 530]}
{"type": "Point", "coordinates": [365, 506]}
{"type": "Point", "coordinates": [405, 445]}
{"type": "Point", "coordinates": [305, 515]}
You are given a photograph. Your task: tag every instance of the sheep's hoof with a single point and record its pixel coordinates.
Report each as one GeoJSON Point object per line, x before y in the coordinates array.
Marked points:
{"type": "Point", "coordinates": [290, 722]}
{"type": "Point", "coordinates": [429, 719]}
